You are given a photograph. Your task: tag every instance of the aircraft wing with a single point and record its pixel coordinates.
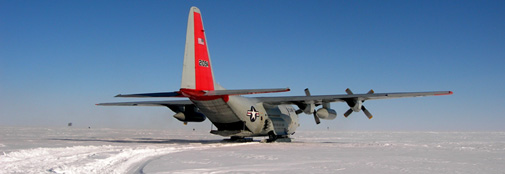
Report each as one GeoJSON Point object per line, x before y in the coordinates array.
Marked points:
{"type": "Point", "coordinates": [320, 99]}
{"type": "Point", "coordinates": [174, 105]}
{"type": "Point", "coordinates": [150, 103]}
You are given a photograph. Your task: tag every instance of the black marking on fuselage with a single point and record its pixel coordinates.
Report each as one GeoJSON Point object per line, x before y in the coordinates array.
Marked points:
{"type": "Point", "coordinates": [231, 126]}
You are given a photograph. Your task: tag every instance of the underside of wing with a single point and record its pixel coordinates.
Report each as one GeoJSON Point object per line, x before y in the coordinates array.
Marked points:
{"type": "Point", "coordinates": [320, 99]}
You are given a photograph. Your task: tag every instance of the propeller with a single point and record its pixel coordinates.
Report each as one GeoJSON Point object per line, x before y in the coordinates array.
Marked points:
{"type": "Point", "coordinates": [367, 113]}
{"type": "Point", "coordinates": [316, 118]}
{"type": "Point", "coordinates": [348, 112]}
{"type": "Point", "coordinates": [356, 101]}
{"type": "Point", "coordinates": [306, 107]}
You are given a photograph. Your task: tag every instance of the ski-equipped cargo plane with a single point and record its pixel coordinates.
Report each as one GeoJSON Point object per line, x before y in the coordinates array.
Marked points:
{"type": "Point", "coordinates": [236, 116]}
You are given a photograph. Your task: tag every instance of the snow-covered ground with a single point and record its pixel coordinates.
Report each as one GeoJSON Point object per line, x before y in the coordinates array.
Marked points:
{"type": "Point", "coordinates": [73, 150]}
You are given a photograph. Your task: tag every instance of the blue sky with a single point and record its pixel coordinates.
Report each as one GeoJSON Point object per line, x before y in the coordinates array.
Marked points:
{"type": "Point", "coordinates": [59, 58]}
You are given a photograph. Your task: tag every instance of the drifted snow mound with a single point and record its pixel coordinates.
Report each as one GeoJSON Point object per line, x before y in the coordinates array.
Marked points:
{"type": "Point", "coordinates": [89, 159]}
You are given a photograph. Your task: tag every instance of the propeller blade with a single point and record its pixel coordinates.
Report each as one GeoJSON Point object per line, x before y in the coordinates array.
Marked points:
{"type": "Point", "coordinates": [299, 111]}
{"type": "Point", "coordinates": [316, 118]}
{"type": "Point", "coordinates": [367, 113]}
{"type": "Point", "coordinates": [346, 114]}
{"type": "Point", "coordinates": [308, 105]}
{"type": "Point", "coordinates": [348, 91]}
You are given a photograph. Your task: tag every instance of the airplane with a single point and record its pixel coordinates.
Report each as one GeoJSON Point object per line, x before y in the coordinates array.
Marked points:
{"type": "Point", "coordinates": [240, 117]}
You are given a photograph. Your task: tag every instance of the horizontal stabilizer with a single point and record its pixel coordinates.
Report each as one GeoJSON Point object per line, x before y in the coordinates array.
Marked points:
{"type": "Point", "coordinates": [244, 91]}
{"type": "Point", "coordinates": [159, 94]}
{"type": "Point", "coordinates": [149, 103]}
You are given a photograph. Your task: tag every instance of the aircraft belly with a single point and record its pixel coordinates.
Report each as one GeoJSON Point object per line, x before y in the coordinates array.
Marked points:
{"type": "Point", "coordinates": [217, 111]}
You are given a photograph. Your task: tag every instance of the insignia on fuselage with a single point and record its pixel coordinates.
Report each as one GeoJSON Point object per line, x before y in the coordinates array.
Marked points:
{"type": "Point", "coordinates": [253, 114]}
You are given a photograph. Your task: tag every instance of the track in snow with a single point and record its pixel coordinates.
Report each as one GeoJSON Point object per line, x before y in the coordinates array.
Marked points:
{"type": "Point", "coordinates": [92, 159]}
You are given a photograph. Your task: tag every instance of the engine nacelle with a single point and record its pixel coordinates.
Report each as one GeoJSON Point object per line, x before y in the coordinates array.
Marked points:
{"type": "Point", "coordinates": [357, 106]}
{"type": "Point", "coordinates": [309, 108]}
{"type": "Point", "coordinates": [327, 114]}
{"type": "Point", "coordinates": [190, 117]}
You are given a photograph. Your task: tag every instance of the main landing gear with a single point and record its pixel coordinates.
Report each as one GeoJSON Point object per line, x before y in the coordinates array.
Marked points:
{"type": "Point", "coordinates": [277, 138]}
{"type": "Point", "coordinates": [271, 138]}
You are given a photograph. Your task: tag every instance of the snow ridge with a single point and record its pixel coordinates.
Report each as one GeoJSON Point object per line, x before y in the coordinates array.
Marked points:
{"type": "Point", "coordinates": [90, 159]}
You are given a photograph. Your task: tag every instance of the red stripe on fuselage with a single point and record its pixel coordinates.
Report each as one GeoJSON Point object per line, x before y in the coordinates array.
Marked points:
{"type": "Point", "coordinates": [203, 70]}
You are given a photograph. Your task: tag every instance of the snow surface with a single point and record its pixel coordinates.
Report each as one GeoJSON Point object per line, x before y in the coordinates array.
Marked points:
{"type": "Point", "coordinates": [73, 150]}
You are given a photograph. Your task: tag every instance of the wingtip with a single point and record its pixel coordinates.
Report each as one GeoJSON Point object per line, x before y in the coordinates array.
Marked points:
{"type": "Point", "coordinates": [448, 93]}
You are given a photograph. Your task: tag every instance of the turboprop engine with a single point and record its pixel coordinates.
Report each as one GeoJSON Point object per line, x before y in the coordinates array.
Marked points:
{"type": "Point", "coordinates": [356, 105]}
{"type": "Point", "coordinates": [190, 117]}
{"type": "Point", "coordinates": [308, 107]}
{"type": "Point", "coordinates": [187, 114]}
{"type": "Point", "coordinates": [326, 114]}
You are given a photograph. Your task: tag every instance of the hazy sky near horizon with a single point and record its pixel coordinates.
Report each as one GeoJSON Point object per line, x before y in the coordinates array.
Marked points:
{"type": "Point", "coordinates": [59, 58]}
